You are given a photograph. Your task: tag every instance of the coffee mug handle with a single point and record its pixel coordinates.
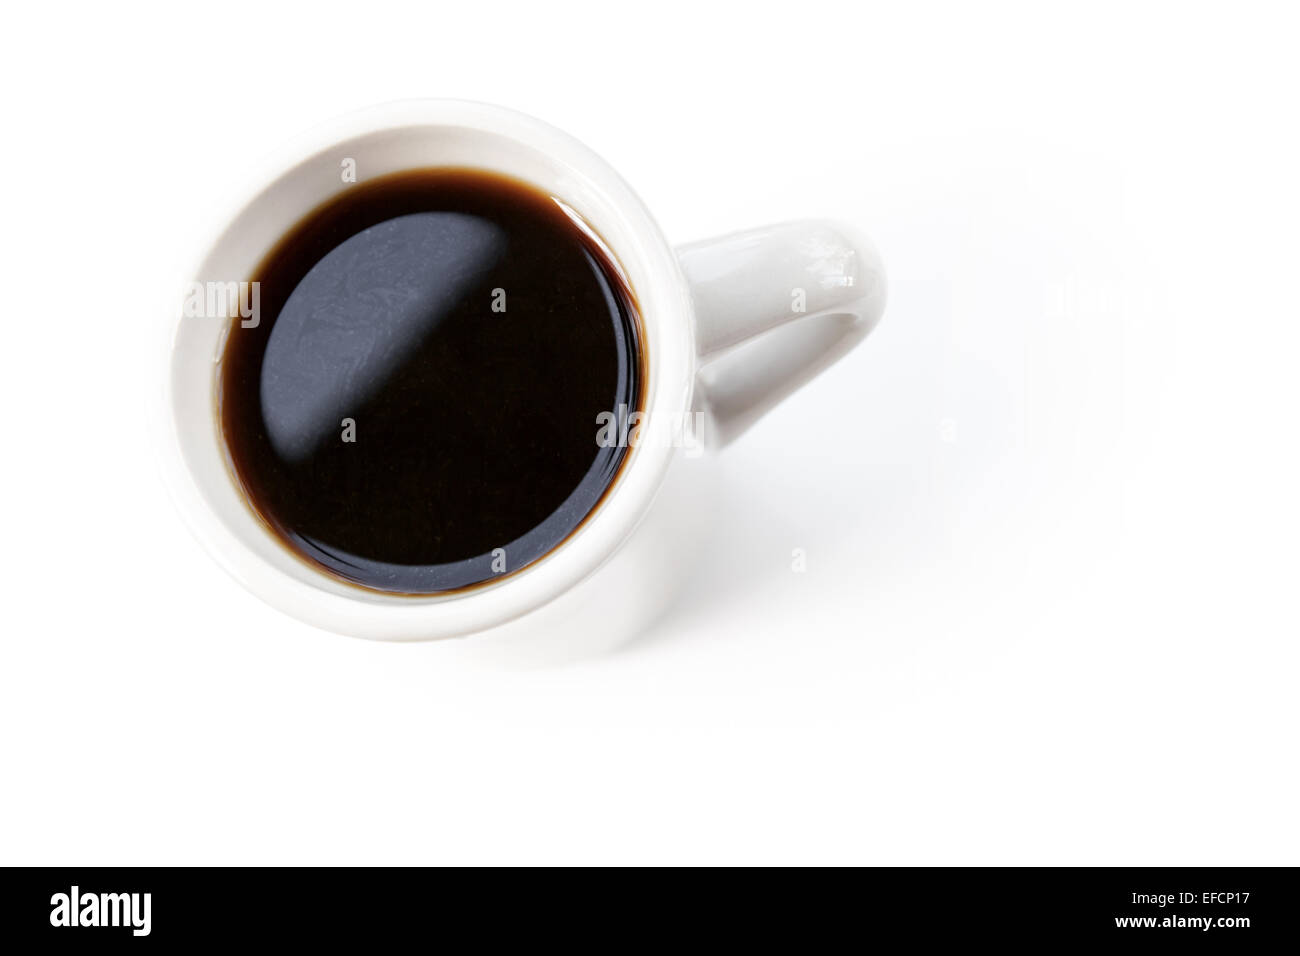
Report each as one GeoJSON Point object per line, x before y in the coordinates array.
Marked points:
{"type": "Point", "coordinates": [774, 307]}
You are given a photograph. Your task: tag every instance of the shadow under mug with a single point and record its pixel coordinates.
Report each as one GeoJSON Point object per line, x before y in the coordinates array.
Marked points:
{"type": "Point", "coordinates": [731, 326]}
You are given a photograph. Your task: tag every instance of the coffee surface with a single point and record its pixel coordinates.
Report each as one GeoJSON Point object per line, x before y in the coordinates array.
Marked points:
{"type": "Point", "coordinates": [416, 409]}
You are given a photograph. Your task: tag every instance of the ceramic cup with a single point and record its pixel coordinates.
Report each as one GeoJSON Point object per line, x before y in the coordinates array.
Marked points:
{"type": "Point", "coordinates": [731, 326]}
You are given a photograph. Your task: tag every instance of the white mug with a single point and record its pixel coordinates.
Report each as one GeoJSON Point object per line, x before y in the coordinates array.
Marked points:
{"type": "Point", "coordinates": [731, 326]}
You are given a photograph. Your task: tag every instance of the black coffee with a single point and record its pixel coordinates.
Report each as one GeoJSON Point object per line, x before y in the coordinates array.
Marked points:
{"type": "Point", "coordinates": [417, 408]}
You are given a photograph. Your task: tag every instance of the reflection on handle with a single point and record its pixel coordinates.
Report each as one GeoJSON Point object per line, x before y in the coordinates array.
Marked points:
{"type": "Point", "coordinates": [773, 307]}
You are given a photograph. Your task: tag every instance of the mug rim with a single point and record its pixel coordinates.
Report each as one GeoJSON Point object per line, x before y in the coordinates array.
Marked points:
{"type": "Point", "coordinates": [668, 341]}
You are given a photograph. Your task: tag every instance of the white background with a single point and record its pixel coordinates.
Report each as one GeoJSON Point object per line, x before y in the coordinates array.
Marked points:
{"type": "Point", "coordinates": [1049, 508]}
